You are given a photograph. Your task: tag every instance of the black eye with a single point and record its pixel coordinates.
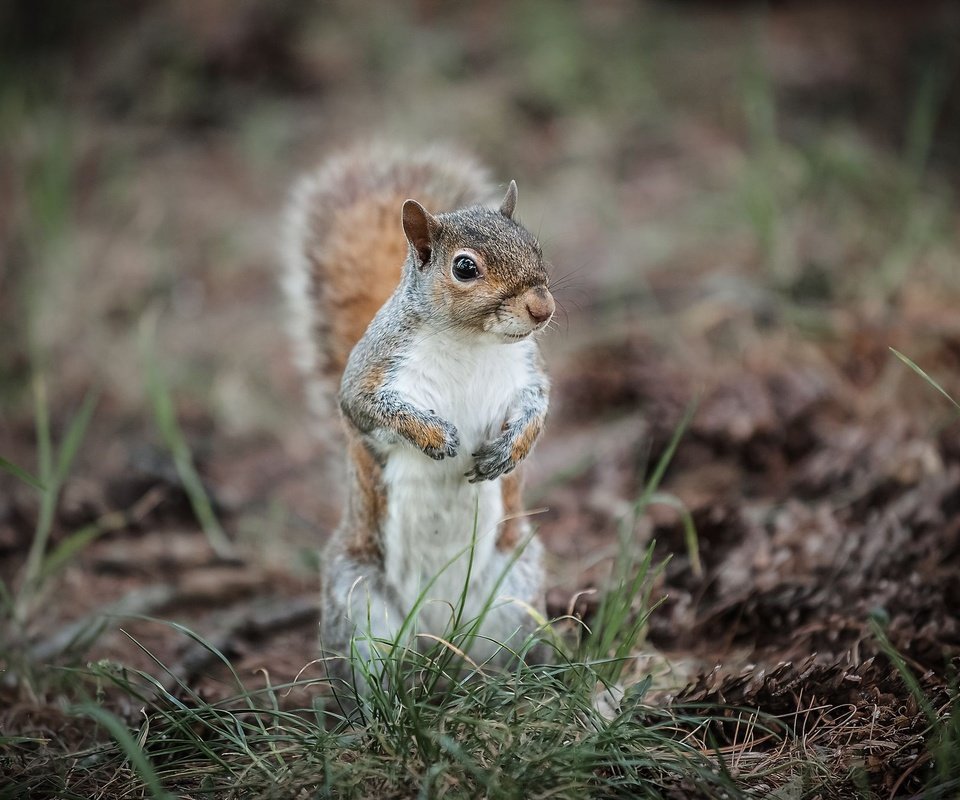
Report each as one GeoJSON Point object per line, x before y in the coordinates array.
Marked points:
{"type": "Point", "coordinates": [465, 269]}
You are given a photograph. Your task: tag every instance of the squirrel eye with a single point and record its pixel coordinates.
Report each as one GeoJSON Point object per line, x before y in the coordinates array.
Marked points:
{"type": "Point", "coordinates": [465, 269]}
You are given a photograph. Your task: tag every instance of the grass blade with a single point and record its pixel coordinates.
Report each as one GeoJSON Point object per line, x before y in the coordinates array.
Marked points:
{"type": "Point", "coordinates": [54, 478]}
{"type": "Point", "coordinates": [64, 552]}
{"type": "Point", "coordinates": [926, 377]}
{"type": "Point", "coordinates": [653, 484]}
{"type": "Point", "coordinates": [691, 540]}
{"type": "Point", "coordinates": [166, 419]}
{"type": "Point", "coordinates": [138, 759]}
{"type": "Point", "coordinates": [22, 474]}
{"type": "Point", "coordinates": [75, 435]}
{"type": "Point", "coordinates": [41, 412]}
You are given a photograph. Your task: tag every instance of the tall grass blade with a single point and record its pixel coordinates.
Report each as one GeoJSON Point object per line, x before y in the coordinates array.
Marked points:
{"type": "Point", "coordinates": [166, 419]}
{"type": "Point", "coordinates": [41, 414]}
{"type": "Point", "coordinates": [65, 551]}
{"type": "Point", "coordinates": [75, 435]}
{"type": "Point", "coordinates": [905, 672]}
{"type": "Point", "coordinates": [625, 607]}
{"type": "Point", "coordinates": [653, 484]}
{"type": "Point", "coordinates": [926, 377]}
{"type": "Point", "coordinates": [54, 478]}
{"type": "Point", "coordinates": [690, 538]}
{"type": "Point", "coordinates": [922, 121]}
{"type": "Point", "coordinates": [944, 742]}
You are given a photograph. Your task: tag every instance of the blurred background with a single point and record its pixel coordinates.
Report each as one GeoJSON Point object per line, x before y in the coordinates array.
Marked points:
{"type": "Point", "coordinates": [742, 203]}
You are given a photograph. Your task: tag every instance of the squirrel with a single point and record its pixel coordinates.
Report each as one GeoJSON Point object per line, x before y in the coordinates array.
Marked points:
{"type": "Point", "coordinates": [426, 319]}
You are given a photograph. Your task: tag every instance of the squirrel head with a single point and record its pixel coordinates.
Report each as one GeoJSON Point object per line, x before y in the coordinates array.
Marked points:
{"type": "Point", "coordinates": [477, 269]}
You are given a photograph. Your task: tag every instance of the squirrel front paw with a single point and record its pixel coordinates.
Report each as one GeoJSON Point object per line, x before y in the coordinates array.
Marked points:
{"type": "Point", "coordinates": [503, 454]}
{"type": "Point", "coordinates": [493, 459]}
{"type": "Point", "coordinates": [437, 438]}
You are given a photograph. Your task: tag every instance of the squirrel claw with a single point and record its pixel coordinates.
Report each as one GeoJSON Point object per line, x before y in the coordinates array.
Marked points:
{"type": "Point", "coordinates": [492, 461]}
{"type": "Point", "coordinates": [440, 453]}
{"type": "Point", "coordinates": [474, 476]}
{"type": "Point", "coordinates": [450, 446]}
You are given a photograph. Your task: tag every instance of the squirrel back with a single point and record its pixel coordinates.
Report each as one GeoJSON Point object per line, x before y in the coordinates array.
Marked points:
{"type": "Point", "coordinates": [345, 245]}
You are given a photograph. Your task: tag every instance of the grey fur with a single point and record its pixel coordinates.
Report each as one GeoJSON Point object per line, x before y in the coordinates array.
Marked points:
{"type": "Point", "coordinates": [360, 608]}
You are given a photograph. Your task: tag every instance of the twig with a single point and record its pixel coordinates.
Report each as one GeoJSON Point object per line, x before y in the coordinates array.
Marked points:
{"type": "Point", "coordinates": [147, 600]}
{"type": "Point", "coordinates": [894, 792]}
{"type": "Point", "coordinates": [251, 622]}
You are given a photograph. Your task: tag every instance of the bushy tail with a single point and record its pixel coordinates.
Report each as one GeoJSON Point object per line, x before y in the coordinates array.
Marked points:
{"type": "Point", "coordinates": [344, 246]}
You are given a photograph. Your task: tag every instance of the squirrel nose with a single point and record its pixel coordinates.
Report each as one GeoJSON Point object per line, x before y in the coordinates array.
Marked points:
{"type": "Point", "coordinates": [540, 305]}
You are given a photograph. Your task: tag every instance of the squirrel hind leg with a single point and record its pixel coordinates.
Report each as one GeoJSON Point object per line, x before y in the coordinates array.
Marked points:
{"type": "Point", "coordinates": [358, 623]}
{"type": "Point", "coordinates": [517, 623]}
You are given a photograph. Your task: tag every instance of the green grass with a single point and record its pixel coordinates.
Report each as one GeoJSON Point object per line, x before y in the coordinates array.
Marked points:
{"type": "Point", "coordinates": [507, 736]}
{"type": "Point", "coordinates": [54, 468]}
{"type": "Point", "coordinates": [530, 731]}
{"type": "Point", "coordinates": [165, 418]}
{"type": "Point", "coordinates": [527, 731]}
{"type": "Point", "coordinates": [428, 722]}
{"type": "Point", "coordinates": [23, 602]}
{"type": "Point", "coordinates": [54, 464]}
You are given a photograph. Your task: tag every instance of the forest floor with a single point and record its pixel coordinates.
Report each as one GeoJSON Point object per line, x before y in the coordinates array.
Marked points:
{"type": "Point", "coordinates": [727, 239]}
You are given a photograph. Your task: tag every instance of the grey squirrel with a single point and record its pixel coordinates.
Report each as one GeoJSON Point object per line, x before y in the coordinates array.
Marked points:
{"type": "Point", "coordinates": [426, 319]}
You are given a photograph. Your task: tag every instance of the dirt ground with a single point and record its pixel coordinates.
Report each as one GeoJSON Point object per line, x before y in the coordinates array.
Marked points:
{"type": "Point", "coordinates": [822, 474]}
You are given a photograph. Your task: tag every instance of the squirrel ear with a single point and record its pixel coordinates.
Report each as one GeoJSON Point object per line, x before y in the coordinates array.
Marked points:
{"type": "Point", "coordinates": [420, 227]}
{"type": "Point", "coordinates": [509, 201]}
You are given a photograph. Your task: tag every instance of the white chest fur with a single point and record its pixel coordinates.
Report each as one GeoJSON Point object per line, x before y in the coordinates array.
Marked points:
{"type": "Point", "coordinates": [435, 517]}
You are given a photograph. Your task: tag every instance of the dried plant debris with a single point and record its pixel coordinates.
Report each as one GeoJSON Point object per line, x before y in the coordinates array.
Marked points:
{"type": "Point", "coordinates": [862, 722]}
